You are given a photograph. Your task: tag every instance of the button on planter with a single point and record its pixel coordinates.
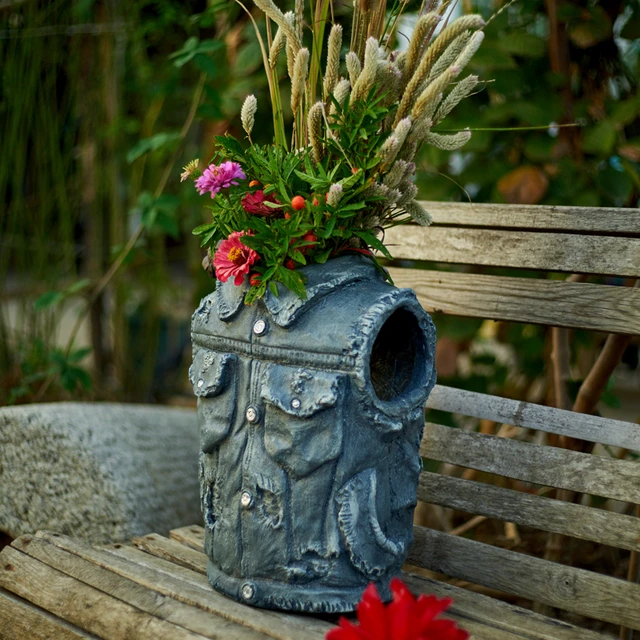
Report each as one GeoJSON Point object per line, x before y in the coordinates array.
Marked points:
{"type": "Point", "coordinates": [295, 403]}
{"type": "Point", "coordinates": [246, 499]}
{"type": "Point", "coordinates": [259, 327]}
{"type": "Point", "coordinates": [252, 414]}
{"type": "Point", "coordinates": [248, 591]}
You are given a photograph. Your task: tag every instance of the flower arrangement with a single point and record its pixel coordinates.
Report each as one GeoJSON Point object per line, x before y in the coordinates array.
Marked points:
{"type": "Point", "coordinates": [405, 618]}
{"type": "Point", "coordinates": [346, 173]}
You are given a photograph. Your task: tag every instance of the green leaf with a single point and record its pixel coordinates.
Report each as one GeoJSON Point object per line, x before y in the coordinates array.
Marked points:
{"type": "Point", "coordinates": [522, 44]}
{"type": "Point", "coordinates": [626, 112]}
{"type": "Point", "coordinates": [78, 286]}
{"type": "Point", "coordinates": [374, 243]}
{"type": "Point", "coordinates": [204, 228]}
{"type": "Point", "coordinates": [79, 354]}
{"type": "Point", "coordinates": [615, 184]}
{"type": "Point", "coordinates": [151, 144]}
{"type": "Point", "coordinates": [48, 299]}
{"type": "Point", "coordinates": [601, 139]}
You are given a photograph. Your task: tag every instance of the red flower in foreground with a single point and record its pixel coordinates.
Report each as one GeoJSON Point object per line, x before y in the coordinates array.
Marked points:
{"type": "Point", "coordinates": [405, 618]}
{"type": "Point", "coordinates": [233, 259]}
{"type": "Point", "coordinates": [254, 203]}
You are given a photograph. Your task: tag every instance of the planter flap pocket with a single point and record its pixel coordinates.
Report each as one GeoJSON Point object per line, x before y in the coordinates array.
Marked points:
{"type": "Point", "coordinates": [370, 550]}
{"type": "Point", "coordinates": [210, 372]}
{"type": "Point", "coordinates": [303, 417]}
{"type": "Point", "coordinates": [213, 376]}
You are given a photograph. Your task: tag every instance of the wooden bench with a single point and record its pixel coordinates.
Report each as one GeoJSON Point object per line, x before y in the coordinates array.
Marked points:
{"type": "Point", "coordinates": [53, 586]}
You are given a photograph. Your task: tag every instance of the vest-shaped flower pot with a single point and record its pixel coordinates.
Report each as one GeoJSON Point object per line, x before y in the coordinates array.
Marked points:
{"type": "Point", "coordinates": [311, 415]}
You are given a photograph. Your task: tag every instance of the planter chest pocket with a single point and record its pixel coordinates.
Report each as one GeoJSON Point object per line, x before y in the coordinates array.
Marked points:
{"type": "Point", "coordinates": [213, 376]}
{"type": "Point", "coordinates": [303, 424]}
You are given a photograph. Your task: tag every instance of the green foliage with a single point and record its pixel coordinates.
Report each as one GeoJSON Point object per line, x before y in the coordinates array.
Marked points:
{"type": "Point", "coordinates": [593, 163]}
{"type": "Point", "coordinates": [285, 237]}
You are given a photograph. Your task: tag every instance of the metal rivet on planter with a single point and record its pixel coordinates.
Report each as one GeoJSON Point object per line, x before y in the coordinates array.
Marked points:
{"type": "Point", "coordinates": [295, 403]}
{"type": "Point", "coordinates": [259, 327]}
{"type": "Point", "coordinates": [246, 499]}
{"type": "Point", "coordinates": [251, 414]}
{"type": "Point", "coordinates": [200, 383]}
{"type": "Point", "coordinates": [247, 591]}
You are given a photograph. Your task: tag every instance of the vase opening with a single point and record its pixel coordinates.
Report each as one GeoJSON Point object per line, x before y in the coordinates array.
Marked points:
{"type": "Point", "coordinates": [398, 345]}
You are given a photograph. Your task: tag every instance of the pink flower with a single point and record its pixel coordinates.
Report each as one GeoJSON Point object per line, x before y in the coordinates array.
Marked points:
{"type": "Point", "coordinates": [233, 259]}
{"type": "Point", "coordinates": [254, 203]}
{"type": "Point", "coordinates": [405, 618]}
{"type": "Point", "coordinates": [215, 178]}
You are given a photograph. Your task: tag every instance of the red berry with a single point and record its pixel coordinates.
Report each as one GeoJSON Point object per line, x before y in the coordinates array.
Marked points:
{"type": "Point", "coordinates": [354, 171]}
{"type": "Point", "coordinates": [254, 183]}
{"type": "Point", "coordinates": [290, 264]}
{"type": "Point", "coordinates": [254, 279]}
{"type": "Point", "coordinates": [287, 215]}
{"type": "Point", "coordinates": [298, 203]}
{"type": "Point", "coordinates": [315, 202]}
{"type": "Point", "coordinates": [310, 237]}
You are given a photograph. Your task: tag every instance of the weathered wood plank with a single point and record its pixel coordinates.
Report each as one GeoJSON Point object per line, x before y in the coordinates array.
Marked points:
{"type": "Point", "coordinates": [615, 433]}
{"type": "Point", "coordinates": [523, 216]}
{"type": "Point", "coordinates": [584, 592]}
{"type": "Point", "coordinates": [547, 466]}
{"type": "Point", "coordinates": [598, 525]}
{"type": "Point", "coordinates": [20, 620]}
{"type": "Point", "coordinates": [83, 606]}
{"type": "Point", "coordinates": [192, 536]}
{"type": "Point", "coordinates": [162, 547]}
{"type": "Point", "coordinates": [498, 615]}
{"type": "Point", "coordinates": [522, 249]}
{"type": "Point", "coordinates": [191, 588]}
{"type": "Point", "coordinates": [141, 597]}
{"type": "Point", "coordinates": [558, 303]}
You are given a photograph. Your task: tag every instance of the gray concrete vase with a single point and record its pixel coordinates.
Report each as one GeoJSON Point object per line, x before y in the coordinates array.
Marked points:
{"type": "Point", "coordinates": [311, 414]}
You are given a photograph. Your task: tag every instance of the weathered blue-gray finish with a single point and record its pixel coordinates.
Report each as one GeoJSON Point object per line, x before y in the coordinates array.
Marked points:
{"type": "Point", "coordinates": [311, 416]}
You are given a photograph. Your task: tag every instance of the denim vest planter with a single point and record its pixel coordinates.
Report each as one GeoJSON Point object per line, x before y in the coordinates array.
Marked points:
{"type": "Point", "coordinates": [311, 415]}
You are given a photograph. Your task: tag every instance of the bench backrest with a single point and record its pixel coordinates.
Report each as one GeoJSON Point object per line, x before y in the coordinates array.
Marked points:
{"type": "Point", "coordinates": [603, 242]}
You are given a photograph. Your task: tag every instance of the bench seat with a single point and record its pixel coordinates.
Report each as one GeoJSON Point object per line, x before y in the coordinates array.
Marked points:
{"type": "Point", "coordinates": [54, 586]}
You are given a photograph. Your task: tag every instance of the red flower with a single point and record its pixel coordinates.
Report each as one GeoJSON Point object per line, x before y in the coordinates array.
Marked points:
{"type": "Point", "coordinates": [254, 203]}
{"type": "Point", "coordinates": [405, 618]}
{"type": "Point", "coordinates": [233, 259]}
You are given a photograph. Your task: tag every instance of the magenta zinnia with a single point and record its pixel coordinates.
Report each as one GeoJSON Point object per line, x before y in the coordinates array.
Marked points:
{"type": "Point", "coordinates": [233, 259]}
{"type": "Point", "coordinates": [215, 178]}
{"type": "Point", "coordinates": [405, 618]}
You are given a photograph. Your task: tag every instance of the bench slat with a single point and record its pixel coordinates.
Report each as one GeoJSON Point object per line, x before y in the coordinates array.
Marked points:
{"type": "Point", "coordinates": [86, 607]}
{"type": "Point", "coordinates": [522, 216]}
{"type": "Point", "coordinates": [22, 621]}
{"type": "Point", "coordinates": [192, 588]}
{"type": "Point", "coordinates": [519, 249]}
{"type": "Point", "coordinates": [578, 305]}
{"type": "Point", "coordinates": [142, 597]}
{"type": "Point", "coordinates": [497, 614]}
{"type": "Point", "coordinates": [615, 433]}
{"type": "Point", "coordinates": [544, 465]}
{"type": "Point", "coordinates": [584, 592]}
{"type": "Point", "coordinates": [578, 521]}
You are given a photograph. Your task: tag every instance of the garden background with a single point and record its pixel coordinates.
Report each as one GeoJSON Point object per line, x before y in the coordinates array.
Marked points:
{"type": "Point", "coordinates": [103, 101]}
